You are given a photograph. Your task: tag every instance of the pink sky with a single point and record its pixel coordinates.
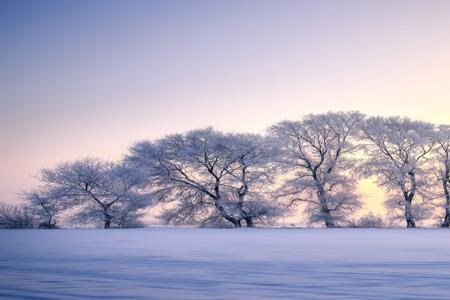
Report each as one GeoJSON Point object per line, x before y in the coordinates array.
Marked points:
{"type": "Point", "coordinates": [84, 78]}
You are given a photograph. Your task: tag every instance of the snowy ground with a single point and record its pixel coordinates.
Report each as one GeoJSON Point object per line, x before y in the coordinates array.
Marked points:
{"type": "Point", "coordinates": [167, 263]}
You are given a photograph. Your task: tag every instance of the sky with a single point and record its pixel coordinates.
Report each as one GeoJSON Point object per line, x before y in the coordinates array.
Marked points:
{"type": "Point", "coordinates": [81, 78]}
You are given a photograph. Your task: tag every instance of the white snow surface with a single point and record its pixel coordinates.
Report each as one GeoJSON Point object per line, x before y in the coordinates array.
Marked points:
{"type": "Point", "coordinates": [182, 263]}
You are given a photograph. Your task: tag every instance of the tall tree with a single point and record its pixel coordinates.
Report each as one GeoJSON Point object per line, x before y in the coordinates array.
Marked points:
{"type": "Point", "coordinates": [206, 176]}
{"type": "Point", "coordinates": [396, 150]}
{"type": "Point", "coordinates": [188, 171]}
{"type": "Point", "coordinates": [316, 150]}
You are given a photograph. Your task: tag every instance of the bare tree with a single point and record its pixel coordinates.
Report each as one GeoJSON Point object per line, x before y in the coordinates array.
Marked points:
{"type": "Point", "coordinates": [317, 151]}
{"type": "Point", "coordinates": [396, 150]}
{"type": "Point", "coordinates": [95, 188]}
{"type": "Point", "coordinates": [16, 217]}
{"type": "Point", "coordinates": [441, 159]}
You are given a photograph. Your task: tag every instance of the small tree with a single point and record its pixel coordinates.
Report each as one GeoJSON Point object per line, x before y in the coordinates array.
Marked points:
{"type": "Point", "coordinates": [95, 189]}
{"type": "Point", "coordinates": [368, 221]}
{"type": "Point", "coordinates": [46, 207]}
{"type": "Point", "coordinates": [16, 217]}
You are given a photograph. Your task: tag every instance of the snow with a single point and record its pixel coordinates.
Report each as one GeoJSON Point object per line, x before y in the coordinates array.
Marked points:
{"type": "Point", "coordinates": [182, 263]}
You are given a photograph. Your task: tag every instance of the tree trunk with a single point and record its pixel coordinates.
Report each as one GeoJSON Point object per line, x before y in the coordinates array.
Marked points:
{"type": "Point", "coordinates": [107, 221]}
{"type": "Point", "coordinates": [410, 223]}
{"type": "Point", "coordinates": [236, 223]}
{"type": "Point", "coordinates": [249, 221]}
{"type": "Point", "coordinates": [242, 191]}
{"type": "Point", "coordinates": [325, 212]}
{"type": "Point", "coordinates": [446, 222]}
{"type": "Point", "coordinates": [222, 212]}
{"type": "Point", "coordinates": [244, 215]}
{"type": "Point", "coordinates": [329, 222]}
{"type": "Point", "coordinates": [50, 222]}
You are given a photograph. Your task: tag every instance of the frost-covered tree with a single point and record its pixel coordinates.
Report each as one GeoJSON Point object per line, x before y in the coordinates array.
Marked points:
{"type": "Point", "coordinates": [96, 189]}
{"type": "Point", "coordinates": [317, 151]}
{"type": "Point", "coordinates": [131, 218]}
{"type": "Point", "coordinates": [205, 176]}
{"type": "Point", "coordinates": [396, 150]}
{"type": "Point", "coordinates": [187, 171]}
{"type": "Point", "coordinates": [368, 221]}
{"type": "Point", "coordinates": [16, 217]}
{"type": "Point", "coordinates": [441, 161]}
{"type": "Point", "coordinates": [46, 207]}
{"type": "Point", "coordinates": [251, 175]}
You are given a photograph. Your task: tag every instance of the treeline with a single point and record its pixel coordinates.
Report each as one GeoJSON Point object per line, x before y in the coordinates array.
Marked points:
{"type": "Point", "coordinates": [209, 178]}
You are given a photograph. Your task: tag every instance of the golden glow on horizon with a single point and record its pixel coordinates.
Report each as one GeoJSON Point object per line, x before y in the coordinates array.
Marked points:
{"type": "Point", "coordinates": [373, 197]}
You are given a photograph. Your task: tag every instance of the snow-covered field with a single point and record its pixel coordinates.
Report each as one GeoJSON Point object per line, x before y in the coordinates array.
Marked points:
{"type": "Point", "coordinates": [169, 263]}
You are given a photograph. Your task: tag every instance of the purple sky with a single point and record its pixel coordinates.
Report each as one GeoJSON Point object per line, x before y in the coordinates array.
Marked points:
{"type": "Point", "coordinates": [90, 77]}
